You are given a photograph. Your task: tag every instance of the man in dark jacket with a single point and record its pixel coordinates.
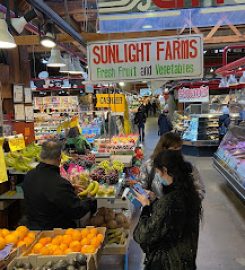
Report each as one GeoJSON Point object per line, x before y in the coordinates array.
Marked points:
{"type": "Point", "coordinates": [50, 199]}
{"type": "Point", "coordinates": [164, 123]}
{"type": "Point", "coordinates": [224, 122]}
{"type": "Point", "coordinates": [139, 120]}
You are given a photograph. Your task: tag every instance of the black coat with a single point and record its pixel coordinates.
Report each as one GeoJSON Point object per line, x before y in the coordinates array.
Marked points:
{"type": "Point", "coordinates": [167, 233]}
{"type": "Point", "coordinates": [140, 118]}
{"type": "Point", "coordinates": [50, 200]}
{"type": "Point", "coordinates": [164, 124]}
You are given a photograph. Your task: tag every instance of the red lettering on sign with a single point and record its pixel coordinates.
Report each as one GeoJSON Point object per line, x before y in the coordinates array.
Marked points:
{"type": "Point", "coordinates": [159, 49]}
{"type": "Point", "coordinates": [169, 55]}
{"type": "Point", "coordinates": [193, 46]}
{"type": "Point", "coordinates": [169, 3]}
{"type": "Point", "coordinates": [96, 53]}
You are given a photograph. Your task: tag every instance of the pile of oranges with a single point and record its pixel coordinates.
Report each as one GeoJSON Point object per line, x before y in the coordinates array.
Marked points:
{"type": "Point", "coordinates": [85, 241]}
{"type": "Point", "coordinates": [21, 236]}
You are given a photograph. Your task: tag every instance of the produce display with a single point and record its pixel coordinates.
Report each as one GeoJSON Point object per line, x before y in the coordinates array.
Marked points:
{"type": "Point", "coordinates": [77, 263]}
{"type": "Point", "coordinates": [23, 160]}
{"type": "Point", "coordinates": [108, 218]}
{"type": "Point", "coordinates": [116, 236]}
{"type": "Point", "coordinates": [86, 241]}
{"type": "Point", "coordinates": [21, 236]}
{"type": "Point", "coordinates": [107, 172]}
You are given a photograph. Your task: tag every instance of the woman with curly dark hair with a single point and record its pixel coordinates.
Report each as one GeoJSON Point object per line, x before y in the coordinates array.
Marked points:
{"type": "Point", "coordinates": [168, 227]}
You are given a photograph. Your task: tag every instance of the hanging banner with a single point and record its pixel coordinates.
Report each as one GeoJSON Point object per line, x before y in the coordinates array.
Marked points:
{"type": "Point", "coordinates": [190, 95]}
{"type": "Point", "coordinates": [116, 102]}
{"type": "Point", "coordinates": [168, 58]}
{"type": "Point", "coordinates": [16, 143]}
{"type": "Point", "coordinates": [3, 171]}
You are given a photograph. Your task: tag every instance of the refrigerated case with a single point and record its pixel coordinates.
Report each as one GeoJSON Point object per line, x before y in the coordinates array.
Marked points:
{"type": "Point", "coordinates": [229, 159]}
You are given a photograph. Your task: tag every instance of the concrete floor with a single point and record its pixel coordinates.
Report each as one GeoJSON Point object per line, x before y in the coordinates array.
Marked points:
{"type": "Point", "coordinates": [222, 234]}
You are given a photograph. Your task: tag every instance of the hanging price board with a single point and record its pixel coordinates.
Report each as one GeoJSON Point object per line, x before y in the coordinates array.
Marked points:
{"type": "Point", "coordinates": [3, 171]}
{"type": "Point", "coordinates": [16, 143]}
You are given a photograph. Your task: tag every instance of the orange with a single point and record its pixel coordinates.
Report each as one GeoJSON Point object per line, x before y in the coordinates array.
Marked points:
{"type": "Point", "coordinates": [31, 235]}
{"type": "Point", "coordinates": [58, 252]}
{"type": "Point", "coordinates": [23, 229]}
{"type": "Point", "coordinates": [76, 236]}
{"type": "Point", "coordinates": [68, 251]}
{"type": "Point", "coordinates": [84, 232]}
{"type": "Point", "coordinates": [69, 231]}
{"type": "Point", "coordinates": [52, 248]}
{"type": "Point", "coordinates": [44, 251]}
{"type": "Point", "coordinates": [17, 235]}
{"type": "Point", "coordinates": [75, 246]}
{"type": "Point", "coordinates": [63, 246]}
{"type": "Point", "coordinates": [90, 236]}
{"type": "Point", "coordinates": [21, 243]}
{"type": "Point", "coordinates": [2, 243]}
{"type": "Point", "coordinates": [88, 249]}
{"type": "Point", "coordinates": [95, 242]}
{"type": "Point", "coordinates": [100, 237]}
{"type": "Point", "coordinates": [94, 231]}
{"type": "Point", "coordinates": [36, 249]}
{"type": "Point", "coordinates": [67, 239]}
{"type": "Point", "coordinates": [85, 241]}
{"type": "Point", "coordinates": [11, 239]}
{"type": "Point", "coordinates": [57, 240]}
{"type": "Point", "coordinates": [5, 232]}
{"type": "Point", "coordinates": [28, 240]}
{"type": "Point", "coordinates": [45, 240]}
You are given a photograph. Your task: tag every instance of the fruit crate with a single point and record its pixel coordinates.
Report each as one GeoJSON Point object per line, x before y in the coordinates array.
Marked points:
{"type": "Point", "coordinates": [38, 261]}
{"type": "Point", "coordinates": [59, 231]}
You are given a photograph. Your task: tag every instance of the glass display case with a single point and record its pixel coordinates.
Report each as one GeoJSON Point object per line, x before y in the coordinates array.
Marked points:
{"type": "Point", "coordinates": [229, 159]}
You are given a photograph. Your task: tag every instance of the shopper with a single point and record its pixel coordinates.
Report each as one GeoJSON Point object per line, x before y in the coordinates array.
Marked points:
{"type": "Point", "coordinates": [224, 122]}
{"type": "Point", "coordinates": [150, 180]}
{"type": "Point", "coordinates": [75, 141]}
{"type": "Point", "coordinates": [164, 123]}
{"type": "Point", "coordinates": [139, 120]}
{"type": "Point", "coordinates": [168, 228]}
{"type": "Point", "coordinates": [50, 200]}
{"type": "Point", "coordinates": [154, 105]}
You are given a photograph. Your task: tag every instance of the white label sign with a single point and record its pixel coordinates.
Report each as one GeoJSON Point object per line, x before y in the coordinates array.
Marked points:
{"type": "Point", "coordinates": [200, 94]}
{"type": "Point", "coordinates": [168, 58]}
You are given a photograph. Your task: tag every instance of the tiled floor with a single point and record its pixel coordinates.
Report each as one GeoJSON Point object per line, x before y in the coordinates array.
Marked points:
{"type": "Point", "coordinates": [222, 236]}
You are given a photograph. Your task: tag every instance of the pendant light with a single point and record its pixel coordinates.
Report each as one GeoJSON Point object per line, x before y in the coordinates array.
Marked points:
{"type": "Point", "coordinates": [77, 69]}
{"type": "Point", "coordinates": [6, 39]}
{"type": "Point", "coordinates": [242, 79]}
{"type": "Point", "coordinates": [55, 59]}
{"type": "Point", "coordinates": [48, 40]}
{"type": "Point", "coordinates": [68, 64]}
{"type": "Point", "coordinates": [232, 81]}
{"type": "Point", "coordinates": [20, 23]}
{"type": "Point", "coordinates": [223, 83]}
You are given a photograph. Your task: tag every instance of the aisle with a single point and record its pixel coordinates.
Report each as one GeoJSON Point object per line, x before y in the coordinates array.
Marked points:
{"type": "Point", "coordinates": [222, 236]}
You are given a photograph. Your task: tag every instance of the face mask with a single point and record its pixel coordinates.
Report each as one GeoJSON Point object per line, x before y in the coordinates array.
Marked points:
{"type": "Point", "coordinates": [162, 180]}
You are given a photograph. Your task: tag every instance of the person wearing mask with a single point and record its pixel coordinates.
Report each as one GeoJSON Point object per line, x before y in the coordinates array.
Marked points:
{"type": "Point", "coordinates": [164, 123]}
{"type": "Point", "coordinates": [75, 141]}
{"type": "Point", "coordinates": [224, 122]}
{"type": "Point", "coordinates": [50, 200]}
{"type": "Point", "coordinates": [168, 228]}
{"type": "Point", "coordinates": [139, 120]}
{"type": "Point", "coordinates": [150, 179]}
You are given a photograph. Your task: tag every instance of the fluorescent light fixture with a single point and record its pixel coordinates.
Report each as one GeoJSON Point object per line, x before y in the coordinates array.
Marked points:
{"type": "Point", "coordinates": [6, 39]}
{"type": "Point", "coordinates": [147, 26]}
{"type": "Point", "coordinates": [232, 81]}
{"type": "Point", "coordinates": [121, 84]}
{"type": "Point", "coordinates": [55, 60]}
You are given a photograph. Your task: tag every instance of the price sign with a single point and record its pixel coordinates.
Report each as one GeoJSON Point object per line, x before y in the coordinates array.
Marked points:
{"type": "Point", "coordinates": [3, 171]}
{"type": "Point", "coordinates": [16, 143]}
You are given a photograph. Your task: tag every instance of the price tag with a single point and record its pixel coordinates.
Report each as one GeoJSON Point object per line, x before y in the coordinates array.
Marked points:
{"type": "Point", "coordinates": [17, 143]}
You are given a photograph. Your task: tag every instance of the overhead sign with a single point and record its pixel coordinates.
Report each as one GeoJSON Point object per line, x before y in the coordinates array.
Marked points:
{"type": "Point", "coordinates": [169, 58]}
{"type": "Point", "coordinates": [189, 95]}
{"type": "Point", "coordinates": [116, 102]}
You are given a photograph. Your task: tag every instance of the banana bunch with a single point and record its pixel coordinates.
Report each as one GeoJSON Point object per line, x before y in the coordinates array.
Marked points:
{"type": "Point", "coordinates": [64, 158]}
{"type": "Point", "coordinates": [118, 166]}
{"type": "Point", "coordinates": [31, 151]}
{"type": "Point", "coordinates": [22, 164]}
{"type": "Point", "coordinates": [91, 190]}
{"type": "Point", "coordinates": [116, 236]}
{"type": "Point", "coordinates": [105, 164]}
